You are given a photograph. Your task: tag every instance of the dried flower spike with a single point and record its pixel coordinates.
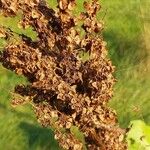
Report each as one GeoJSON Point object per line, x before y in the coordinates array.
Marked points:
{"type": "Point", "coordinates": [65, 89]}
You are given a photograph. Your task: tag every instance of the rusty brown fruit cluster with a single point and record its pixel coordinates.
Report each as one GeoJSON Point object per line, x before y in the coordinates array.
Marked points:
{"type": "Point", "coordinates": [64, 89]}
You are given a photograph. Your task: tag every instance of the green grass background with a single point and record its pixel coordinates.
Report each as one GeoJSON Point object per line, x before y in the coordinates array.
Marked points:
{"type": "Point", "coordinates": [127, 33]}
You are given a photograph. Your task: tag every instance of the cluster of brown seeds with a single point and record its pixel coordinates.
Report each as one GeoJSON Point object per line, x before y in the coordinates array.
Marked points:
{"type": "Point", "coordinates": [64, 89]}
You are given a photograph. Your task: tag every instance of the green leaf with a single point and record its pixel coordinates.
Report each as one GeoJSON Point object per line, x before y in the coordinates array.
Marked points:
{"type": "Point", "coordinates": [138, 137]}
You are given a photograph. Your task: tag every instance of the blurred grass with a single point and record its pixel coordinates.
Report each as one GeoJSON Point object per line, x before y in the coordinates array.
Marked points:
{"type": "Point", "coordinates": [127, 43]}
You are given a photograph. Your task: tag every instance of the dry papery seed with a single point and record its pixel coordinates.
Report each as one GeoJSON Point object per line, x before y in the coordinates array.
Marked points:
{"type": "Point", "coordinates": [64, 89]}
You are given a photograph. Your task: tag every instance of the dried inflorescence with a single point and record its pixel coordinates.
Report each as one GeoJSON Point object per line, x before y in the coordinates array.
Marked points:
{"type": "Point", "coordinates": [64, 89]}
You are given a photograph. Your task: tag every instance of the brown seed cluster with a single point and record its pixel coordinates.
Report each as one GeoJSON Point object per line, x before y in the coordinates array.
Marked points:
{"type": "Point", "coordinates": [64, 89]}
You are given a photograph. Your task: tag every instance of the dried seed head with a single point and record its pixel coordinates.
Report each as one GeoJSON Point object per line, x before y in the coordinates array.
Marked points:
{"type": "Point", "coordinates": [64, 89]}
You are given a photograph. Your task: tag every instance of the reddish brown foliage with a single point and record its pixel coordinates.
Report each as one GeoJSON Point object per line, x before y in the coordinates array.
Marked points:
{"type": "Point", "coordinates": [65, 90]}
